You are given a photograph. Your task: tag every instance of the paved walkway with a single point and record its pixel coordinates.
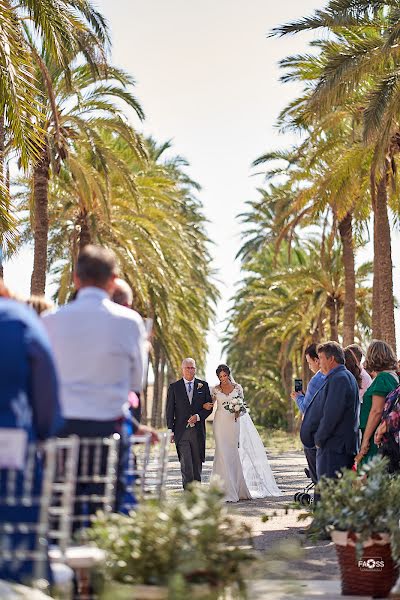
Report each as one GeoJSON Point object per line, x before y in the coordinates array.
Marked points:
{"type": "Point", "coordinates": [290, 566]}
{"type": "Point", "coordinates": [280, 535]}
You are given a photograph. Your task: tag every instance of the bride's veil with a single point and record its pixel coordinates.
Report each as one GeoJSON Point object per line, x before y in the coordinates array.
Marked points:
{"type": "Point", "coordinates": [257, 473]}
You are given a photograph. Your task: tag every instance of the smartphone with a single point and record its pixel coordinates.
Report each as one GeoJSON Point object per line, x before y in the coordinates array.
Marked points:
{"type": "Point", "coordinates": [298, 385]}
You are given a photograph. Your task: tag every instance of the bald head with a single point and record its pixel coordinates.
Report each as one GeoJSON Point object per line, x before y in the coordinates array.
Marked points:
{"type": "Point", "coordinates": [122, 293]}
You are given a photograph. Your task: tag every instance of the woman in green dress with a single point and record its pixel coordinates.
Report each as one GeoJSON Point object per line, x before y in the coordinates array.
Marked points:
{"type": "Point", "coordinates": [381, 363]}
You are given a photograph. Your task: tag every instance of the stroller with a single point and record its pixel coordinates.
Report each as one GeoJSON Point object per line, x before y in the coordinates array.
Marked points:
{"type": "Point", "coordinates": [305, 498]}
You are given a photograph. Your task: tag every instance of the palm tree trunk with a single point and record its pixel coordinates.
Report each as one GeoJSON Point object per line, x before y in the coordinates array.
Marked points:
{"type": "Point", "coordinates": [156, 368]}
{"type": "Point", "coordinates": [41, 175]}
{"type": "Point", "coordinates": [85, 237]}
{"type": "Point", "coordinates": [287, 380]}
{"type": "Point", "coordinates": [383, 301]}
{"type": "Point", "coordinates": [349, 312]}
{"type": "Point", "coordinates": [376, 312]}
{"type": "Point", "coordinates": [332, 306]}
{"type": "Point", "coordinates": [161, 375]}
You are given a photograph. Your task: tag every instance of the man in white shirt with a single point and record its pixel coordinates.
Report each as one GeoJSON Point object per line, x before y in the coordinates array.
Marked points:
{"type": "Point", "coordinates": [98, 347]}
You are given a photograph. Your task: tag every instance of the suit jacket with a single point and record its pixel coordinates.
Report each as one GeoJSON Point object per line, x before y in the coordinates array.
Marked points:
{"type": "Point", "coordinates": [331, 420]}
{"type": "Point", "coordinates": [179, 410]}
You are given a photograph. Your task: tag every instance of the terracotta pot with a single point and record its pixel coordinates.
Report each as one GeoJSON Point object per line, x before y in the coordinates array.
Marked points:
{"type": "Point", "coordinates": [374, 573]}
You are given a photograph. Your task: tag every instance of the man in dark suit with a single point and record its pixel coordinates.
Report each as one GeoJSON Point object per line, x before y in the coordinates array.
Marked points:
{"type": "Point", "coordinates": [331, 420]}
{"type": "Point", "coordinates": [186, 419]}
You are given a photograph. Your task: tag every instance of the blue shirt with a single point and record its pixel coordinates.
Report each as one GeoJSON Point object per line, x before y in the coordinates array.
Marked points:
{"type": "Point", "coordinates": [315, 383]}
{"type": "Point", "coordinates": [29, 390]}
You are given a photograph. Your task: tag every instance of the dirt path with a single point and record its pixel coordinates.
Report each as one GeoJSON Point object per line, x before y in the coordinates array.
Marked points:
{"type": "Point", "coordinates": [305, 559]}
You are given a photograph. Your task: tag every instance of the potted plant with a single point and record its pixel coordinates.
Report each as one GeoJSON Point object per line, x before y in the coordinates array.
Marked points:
{"type": "Point", "coordinates": [361, 511]}
{"type": "Point", "coordinates": [187, 545]}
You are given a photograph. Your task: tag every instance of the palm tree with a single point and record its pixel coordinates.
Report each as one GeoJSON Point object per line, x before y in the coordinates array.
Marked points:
{"type": "Point", "coordinates": [360, 61]}
{"type": "Point", "coordinates": [76, 106]}
{"type": "Point", "coordinates": [286, 301]}
{"type": "Point", "coordinates": [60, 28]}
{"type": "Point", "coordinates": [155, 227]}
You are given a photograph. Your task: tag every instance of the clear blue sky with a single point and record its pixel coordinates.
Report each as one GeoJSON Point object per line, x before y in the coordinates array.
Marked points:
{"type": "Point", "coordinates": [207, 78]}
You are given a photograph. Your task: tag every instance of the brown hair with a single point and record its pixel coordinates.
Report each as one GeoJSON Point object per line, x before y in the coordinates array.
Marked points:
{"type": "Point", "coordinates": [380, 357]}
{"type": "Point", "coordinates": [95, 265]}
{"type": "Point", "coordinates": [352, 364]}
{"type": "Point", "coordinates": [355, 348]}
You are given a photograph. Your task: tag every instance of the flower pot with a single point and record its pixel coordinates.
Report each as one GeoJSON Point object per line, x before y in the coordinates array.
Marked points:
{"type": "Point", "coordinates": [374, 573]}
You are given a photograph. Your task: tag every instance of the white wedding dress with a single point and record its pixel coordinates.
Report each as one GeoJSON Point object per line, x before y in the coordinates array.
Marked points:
{"type": "Point", "coordinates": [240, 459]}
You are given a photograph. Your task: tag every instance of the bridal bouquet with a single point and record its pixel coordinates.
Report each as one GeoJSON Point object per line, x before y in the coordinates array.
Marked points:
{"type": "Point", "coordinates": [236, 404]}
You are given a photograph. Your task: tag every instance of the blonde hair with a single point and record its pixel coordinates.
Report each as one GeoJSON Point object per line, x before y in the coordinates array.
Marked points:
{"type": "Point", "coordinates": [380, 357]}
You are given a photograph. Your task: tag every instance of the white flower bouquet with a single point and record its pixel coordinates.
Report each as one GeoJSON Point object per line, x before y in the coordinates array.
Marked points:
{"type": "Point", "coordinates": [236, 404]}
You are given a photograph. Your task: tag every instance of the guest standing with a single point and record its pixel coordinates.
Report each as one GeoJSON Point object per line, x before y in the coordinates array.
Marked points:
{"type": "Point", "coordinates": [381, 362]}
{"type": "Point", "coordinates": [29, 412]}
{"type": "Point", "coordinates": [331, 420]}
{"type": "Point", "coordinates": [354, 356]}
{"type": "Point", "coordinates": [303, 401]}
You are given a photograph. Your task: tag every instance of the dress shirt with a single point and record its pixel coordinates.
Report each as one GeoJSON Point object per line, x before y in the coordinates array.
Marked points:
{"type": "Point", "coordinates": [190, 394]}
{"type": "Point", "coordinates": [99, 351]}
{"type": "Point", "coordinates": [315, 383]}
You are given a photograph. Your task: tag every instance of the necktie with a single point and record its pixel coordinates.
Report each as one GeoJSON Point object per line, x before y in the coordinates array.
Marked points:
{"type": "Point", "coordinates": [190, 391]}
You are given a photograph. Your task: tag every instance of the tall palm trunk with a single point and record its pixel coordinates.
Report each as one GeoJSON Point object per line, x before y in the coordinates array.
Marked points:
{"type": "Point", "coordinates": [287, 380]}
{"type": "Point", "coordinates": [41, 175]}
{"type": "Point", "coordinates": [333, 307]}
{"type": "Point", "coordinates": [156, 387]}
{"type": "Point", "coordinates": [349, 312]}
{"type": "Point", "coordinates": [383, 302]}
{"type": "Point", "coordinates": [85, 237]}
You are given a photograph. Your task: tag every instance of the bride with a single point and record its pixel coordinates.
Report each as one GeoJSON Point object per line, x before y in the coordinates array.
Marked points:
{"type": "Point", "coordinates": [240, 459]}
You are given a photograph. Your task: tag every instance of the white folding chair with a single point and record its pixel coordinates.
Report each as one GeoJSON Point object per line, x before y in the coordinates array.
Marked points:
{"type": "Point", "coordinates": [97, 478]}
{"type": "Point", "coordinates": [157, 469]}
{"type": "Point", "coordinates": [63, 491]}
{"type": "Point", "coordinates": [95, 489]}
{"type": "Point", "coordinates": [146, 472]}
{"type": "Point", "coordinates": [134, 471]}
{"type": "Point", "coordinates": [24, 514]}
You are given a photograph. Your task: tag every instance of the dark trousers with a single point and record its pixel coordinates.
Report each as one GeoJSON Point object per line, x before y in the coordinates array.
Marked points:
{"type": "Point", "coordinates": [311, 457]}
{"type": "Point", "coordinates": [329, 462]}
{"type": "Point", "coordinates": [96, 429]}
{"type": "Point", "coordinates": [189, 456]}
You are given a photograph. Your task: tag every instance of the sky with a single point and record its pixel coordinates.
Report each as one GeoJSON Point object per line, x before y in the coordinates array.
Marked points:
{"type": "Point", "coordinates": [207, 77]}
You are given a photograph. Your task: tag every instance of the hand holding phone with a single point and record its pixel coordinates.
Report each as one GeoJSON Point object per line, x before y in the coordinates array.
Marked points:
{"type": "Point", "coordinates": [298, 385]}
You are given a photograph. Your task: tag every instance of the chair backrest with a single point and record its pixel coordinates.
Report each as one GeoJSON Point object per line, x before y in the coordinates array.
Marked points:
{"type": "Point", "coordinates": [63, 491]}
{"type": "Point", "coordinates": [97, 477]}
{"type": "Point", "coordinates": [134, 469]}
{"type": "Point", "coordinates": [24, 514]}
{"type": "Point", "coordinates": [157, 471]}
{"type": "Point", "coordinates": [146, 475]}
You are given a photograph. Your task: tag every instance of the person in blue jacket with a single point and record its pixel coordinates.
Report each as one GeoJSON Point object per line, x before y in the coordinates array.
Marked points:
{"type": "Point", "coordinates": [29, 412]}
{"type": "Point", "coordinates": [331, 420]}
